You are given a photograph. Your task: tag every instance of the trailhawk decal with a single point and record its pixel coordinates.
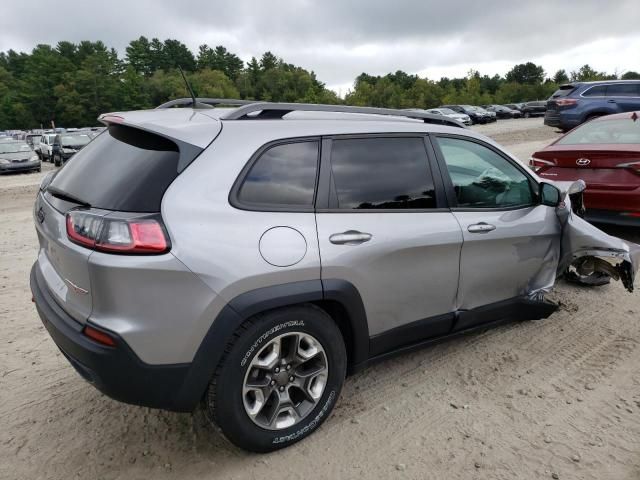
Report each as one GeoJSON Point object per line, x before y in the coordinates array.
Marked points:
{"type": "Point", "coordinates": [264, 336]}
{"type": "Point", "coordinates": [310, 426]}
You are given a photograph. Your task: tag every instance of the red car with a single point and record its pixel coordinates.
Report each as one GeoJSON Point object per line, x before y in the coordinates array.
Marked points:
{"type": "Point", "coordinates": [605, 153]}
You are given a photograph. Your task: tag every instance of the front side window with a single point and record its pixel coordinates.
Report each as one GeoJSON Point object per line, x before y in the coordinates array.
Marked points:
{"type": "Point", "coordinates": [483, 179]}
{"type": "Point", "coordinates": [382, 173]}
{"type": "Point", "coordinates": [284, 175]}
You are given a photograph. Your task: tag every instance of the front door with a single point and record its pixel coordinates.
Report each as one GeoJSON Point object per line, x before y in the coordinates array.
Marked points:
{"type": "Point", "coordinates": [510, 239]}
{"type": "Point", "coordinates": [383, 232]}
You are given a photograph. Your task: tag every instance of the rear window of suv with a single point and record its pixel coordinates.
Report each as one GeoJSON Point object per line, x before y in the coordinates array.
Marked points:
{"type": "Point", "coordinates": [563, 91]}
{"type": "Point", "coordinates": [123, 169]}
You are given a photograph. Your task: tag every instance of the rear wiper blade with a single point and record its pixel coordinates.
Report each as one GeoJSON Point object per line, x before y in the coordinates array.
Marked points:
{"type": "Point", "coordinates": [62, 195]}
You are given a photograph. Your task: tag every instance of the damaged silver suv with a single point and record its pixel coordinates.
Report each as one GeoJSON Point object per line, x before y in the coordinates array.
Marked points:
{"type": "Point", "coordinates": [247, 259]}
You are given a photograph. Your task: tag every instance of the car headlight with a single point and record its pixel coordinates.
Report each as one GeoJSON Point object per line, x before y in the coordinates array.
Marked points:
{"type": "Point", "coordinates": [33, 158]}
{"type": "Point", "coordinates": [4, 161]}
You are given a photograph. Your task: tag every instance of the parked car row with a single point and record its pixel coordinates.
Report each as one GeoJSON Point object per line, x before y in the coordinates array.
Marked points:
{"type": "Point", "coordinates": [473, 114]}
{"type": "Point", "coordinates": [25, 151]}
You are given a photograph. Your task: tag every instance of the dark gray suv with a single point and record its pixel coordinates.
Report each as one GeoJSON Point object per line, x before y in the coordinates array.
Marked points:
{"type": "Point", "coordinates": [577, 102]}
{"type": "Point", "coordinates": [248, 258]}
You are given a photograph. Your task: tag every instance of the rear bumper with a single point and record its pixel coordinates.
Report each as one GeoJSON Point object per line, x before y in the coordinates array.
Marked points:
{"type": "Point", "coordinates": [115, 371]}
{"type": "Point", "coordinates": [563, 121]}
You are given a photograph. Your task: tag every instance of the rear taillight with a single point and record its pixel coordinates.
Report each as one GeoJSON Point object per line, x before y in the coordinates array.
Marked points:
{"type": "Point", "coordinates": [137, 235]}
{"type": "Point", "coordinates": [566, 102]}
{"type": "Point", "coordinates": [633, 166]}
{"type": "Point", "coordinates": [537, 164]}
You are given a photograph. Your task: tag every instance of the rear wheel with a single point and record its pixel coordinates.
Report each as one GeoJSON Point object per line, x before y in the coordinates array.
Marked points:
{"type": "Point", "coordinates": [526, 115]}
{"type": "Point", "coordinates": [57, 160]}
{"type": "Point", "coordinates": [279, 379]}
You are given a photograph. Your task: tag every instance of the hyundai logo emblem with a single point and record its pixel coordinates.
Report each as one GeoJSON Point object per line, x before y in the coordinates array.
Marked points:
{"type": "Point", "coordinates": [40, 215]}
{"type": "Point", "coordinates": [583, 162]}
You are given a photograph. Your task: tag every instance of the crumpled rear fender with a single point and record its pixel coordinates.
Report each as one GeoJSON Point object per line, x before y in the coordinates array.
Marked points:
{"type": "Point", "coordinates": [591, 250]}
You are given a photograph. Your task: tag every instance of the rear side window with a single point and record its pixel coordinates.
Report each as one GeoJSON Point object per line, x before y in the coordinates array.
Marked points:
{"type": "Point", "coordinates": [124, 169]}
{"type": "Point", "coordinates": [382, 173]}
{"type": "Point", "coordinates": [623, 90]}
{"type": "Point", "coordinates": [596, 91]}
{"type": "Point", "coordinates": [283, 176]}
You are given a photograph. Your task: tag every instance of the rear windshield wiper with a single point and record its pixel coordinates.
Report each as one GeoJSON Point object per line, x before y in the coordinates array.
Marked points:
{"type": "Point", "coordinates": [62, 195]}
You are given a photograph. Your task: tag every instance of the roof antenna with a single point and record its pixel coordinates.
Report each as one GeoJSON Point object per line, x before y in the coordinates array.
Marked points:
{"type": "Point", "coordinates": [193, 95]}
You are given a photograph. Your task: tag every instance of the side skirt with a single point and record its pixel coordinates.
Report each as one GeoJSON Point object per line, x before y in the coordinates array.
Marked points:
{"type": "Point", "coordinates": [396, 341]}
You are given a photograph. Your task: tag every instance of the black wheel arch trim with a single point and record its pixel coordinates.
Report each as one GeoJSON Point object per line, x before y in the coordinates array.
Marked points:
{"type": "Point", "coordinates": [263, 299]}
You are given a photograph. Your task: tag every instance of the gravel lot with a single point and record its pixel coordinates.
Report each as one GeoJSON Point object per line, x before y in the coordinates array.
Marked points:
{"type": "Point", "coordinates": [558, 398]}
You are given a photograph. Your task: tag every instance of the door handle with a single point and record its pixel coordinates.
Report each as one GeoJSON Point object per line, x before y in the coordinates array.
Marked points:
{"type": "Point", "coordinates": [481, 227]}
{"type": "Point", "coordinates": [611, 101]}
{"type": "Point", "coordinates": [350, 237]}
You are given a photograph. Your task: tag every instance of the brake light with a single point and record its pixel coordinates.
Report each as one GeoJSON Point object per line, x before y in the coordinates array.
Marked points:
{"type": "Point", "coordinates": [137, 235]}
{"type": "Point", "coordinates": [537, 164]}
{"type": "Point", "coordinates": [99, 336]}
{"type": "Point", "coordinates": [633, 166]}
{"type": "Point", "coordinates": [566, 102]}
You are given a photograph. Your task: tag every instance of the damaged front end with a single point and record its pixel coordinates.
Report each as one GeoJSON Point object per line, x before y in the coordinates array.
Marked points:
{"type": "Point", "coordinates": [588, 255]}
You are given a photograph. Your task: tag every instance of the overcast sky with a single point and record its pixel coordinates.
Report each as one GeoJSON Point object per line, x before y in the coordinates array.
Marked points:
{"type": "Point", "coordinates": [339, 39]}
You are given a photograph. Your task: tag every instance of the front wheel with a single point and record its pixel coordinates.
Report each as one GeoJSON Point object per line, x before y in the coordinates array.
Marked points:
{"type": "Point", "coordinates": [527, 115]}
{"type": "Point", "coordinates": [279, 379]}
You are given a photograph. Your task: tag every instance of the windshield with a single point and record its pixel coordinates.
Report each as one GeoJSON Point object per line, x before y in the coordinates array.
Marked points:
{"type": "Point", "coordinates": [622, 131]}
{"type": "Point", "coordinates": [70, 140]}
{"type": "Point", "coordinates": [447, 111]}
{"type": "Point", "coordinates": [14, 147]}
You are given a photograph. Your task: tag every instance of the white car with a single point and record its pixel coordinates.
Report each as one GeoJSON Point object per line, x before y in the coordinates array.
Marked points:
{"type": "Point", "coordinates": [447, 112]}
{"type": "Point", "coordinates": [45, 146]}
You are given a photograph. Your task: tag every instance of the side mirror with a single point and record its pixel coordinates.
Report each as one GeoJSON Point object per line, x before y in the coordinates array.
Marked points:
{"type": "Point", "coordinates": [549, 195]}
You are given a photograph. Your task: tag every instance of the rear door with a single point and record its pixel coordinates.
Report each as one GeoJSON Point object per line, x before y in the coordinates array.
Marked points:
{"type": "Point", "coordinates": [509, 238]}
{"type": "Point", "coordinates": [381, 227]}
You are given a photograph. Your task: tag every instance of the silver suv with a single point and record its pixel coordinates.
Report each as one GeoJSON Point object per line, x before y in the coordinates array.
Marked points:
{"type": "Point", "coordinates": [248, 258]}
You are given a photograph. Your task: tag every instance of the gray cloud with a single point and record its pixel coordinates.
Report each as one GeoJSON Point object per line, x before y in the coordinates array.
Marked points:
{"type": "Point", "coordinates": [340, 39]}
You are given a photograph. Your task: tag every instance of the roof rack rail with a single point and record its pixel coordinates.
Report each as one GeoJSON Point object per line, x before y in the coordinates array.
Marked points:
{"type": "Point", "coordinates": [204, 102]}
{"type": "Point", "coordinates": [269, 110]}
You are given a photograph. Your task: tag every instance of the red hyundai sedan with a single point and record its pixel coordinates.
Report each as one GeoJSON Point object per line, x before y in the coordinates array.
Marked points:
{"type": "Point", "coordinates": [605, 153]}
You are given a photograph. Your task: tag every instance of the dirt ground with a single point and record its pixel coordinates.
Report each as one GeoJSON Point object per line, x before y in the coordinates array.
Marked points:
{"type": "Point", "coordinates": [558, 398]}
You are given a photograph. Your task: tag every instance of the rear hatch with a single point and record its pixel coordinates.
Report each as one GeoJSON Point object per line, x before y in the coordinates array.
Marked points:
{"type": "Point", "coordinates": [558, 98]}
{"type": "Point", "coordinates": [122, 173]}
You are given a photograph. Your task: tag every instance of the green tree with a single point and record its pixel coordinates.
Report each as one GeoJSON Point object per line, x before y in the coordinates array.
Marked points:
{"type": "Point", "coordinates": [528, 73]}
{"type": "Point", "coordinates": [140, 56]}
{"type": "Point", "coordinates": [560, 77]}
{"type": "Point", "coordinates": [630, 75]}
